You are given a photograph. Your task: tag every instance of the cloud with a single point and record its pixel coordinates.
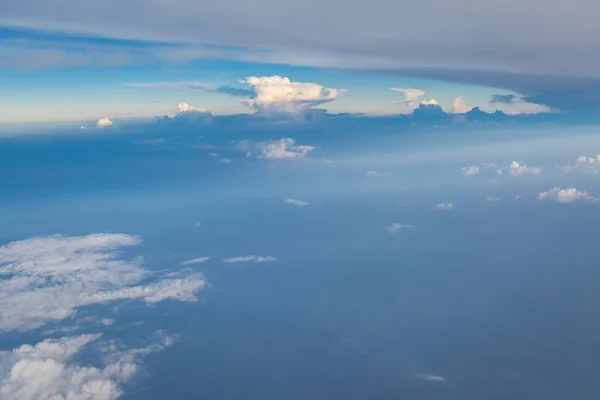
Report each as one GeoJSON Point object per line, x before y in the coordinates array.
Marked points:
{"type": "Point", "coordinates": [372, 172]}
{"type": "Point", "coordinates": [103, 122]}
{"type": "Point", "coordinates": [245, 259]}
{"type": "Point", "coordinates": [470, 171]}
{"type": "Point", "coordinates": [186, 109]}
{"type": "Point", "coordinates": [396, 227]}
{"type": "Point", "coordinates": [445, 206]}
{"type": "Point", "coordinates": [277, 93]}
{"type": "Point", "coordinates": [502, 98]}
{"type": "Point", "coordinates": [566, 195]}
{"type": "Point", "coordinates": [282, 149]}
{"type": "Point", "coordinates": [590, 165]}
{"type": "Point", "coordinates": [295, 202]}
{"type": "Point", "coordinates": [225, 161]}
{"type": "Point", "coordinates": [198, 260]}
{"type": "Point", "coordinates": [516, 169]}
{"type": "Point", "coordinates": [207, 87]}
{"type": "Point", "coordinates": [491, 199]}
{"type": "Point", "coordinates": [431, 378]}
{"type": "Point", "coordinates": [47, 370]}
{"type": "Point", "coordinates": [410, 97]}
{"type": "Point", "coordinates": [459, 106]}
{"type": "Point", "coordinates": [48, 278]}
{"type": "Point", "coordinates": [489, 164]}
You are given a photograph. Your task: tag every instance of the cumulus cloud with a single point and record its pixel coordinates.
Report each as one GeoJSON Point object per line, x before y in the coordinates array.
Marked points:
{"type": "Point", "coordinates": [284, 148]}
{"type": "Point", "coordinates": [48, 278]}
{"type": "Point", "coordinates": [295, 202]}
{"type": "Point", "coordinates": [411, 97]}
{"type": "Point", "coordinates": [252, 258]}
{"type": "Point", "coordinates": [590, 165]}
{"type": "Point", "coordinates": [198, 260]}
{"type": "Point", "coordinates": [566, 195]}
{"type": "Point", "coordinates": [489, 164]}
{"type": "Point", "coordinates": [430, 102]}
{"type": "Point", "coordinates": [375, 173]}
{"type": "Point", "coordinates": [396, 227]}
{"type": "Point", "coordinates": [445, 206]}
{"type": "Point", "coordinates": [103, 122]}
{"type": "Point", "coordinates": [516, 169]}
{"type": "Point", "coordinates": [470, 171]}
{"type": "Point", "coordinates": [46, 371]}
{"type": "Point", "coordinates": [186, 109]}
{"type": "Point", "coordinates": [459, 106]}
{"type": "Point", "coordinates": [277, 93]}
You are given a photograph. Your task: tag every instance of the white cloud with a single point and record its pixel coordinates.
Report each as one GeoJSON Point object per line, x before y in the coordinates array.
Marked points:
{"type": "Point", "coordinates": [225, 161]}
{"type": "Point", "coordinates": [516, 169]}
{"type": "Point", "coordinates": [490, 198]}
{"type": "Point", "coordinates": [48, 278]}
{"type": "Point", "coordinates": [284, 148]}
{"type": "Point", "coordinates": [470, 171]}
{"type": "Point", "coordinates": [46, 371]}
{"type": "Point", "coordinates": [430, 102]}
{"type": "Point", "coordinates": [489, 164]}
{"type": "Point", "coordinates": [295, 202]}
{"type": "Point", "coordinates": [431, 378]}
{"type": "Point", "coordinates": [459, 106]}
{"type": "Point", "coordinates": [396, 227]}
{"type": "Point", "coordinates": [590, 165]}
{"type": "Point", "coordinates": [410, 97]}
{"type": "Point", "coordinates": [566, 195]}
{"type": "Point", "coordinates": [375, 173]}
{"type": "Point", "coordinates": [445, 206]}
{"type": "Point", "coordinates": [185, 108]}
{"type": "Point", "coordinates": [277, 93]}
{"type": "Point", "coordinates": [213, 155]}
{"type": "Point", "coordinates": [244, 259]}
{"type": "Point", "coordinates": [198, 260]}
{"type": "Point", "coordinates": [103, 122]}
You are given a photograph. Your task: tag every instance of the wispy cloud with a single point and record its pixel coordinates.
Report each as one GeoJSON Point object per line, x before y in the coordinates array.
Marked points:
{"type": "Point", "coordinates": [198, 260]}
{"type": "Point", "coordinates": [566, 195]}
{"type": "Point", "coordinates": [252, 258]}
{"type": "Point", "coordinates": [431, 378]}
{"type": "Point", "coordinates": [375, 173]}
{"type": "Point", "coordinates": [445, 206]}
{"type": "Point", "coordinates": [284, 148]}
{"type": "Point", "coordinates": [195, 85]}
{"type": "Point", "coordinates": [396, 227]}
{"type": "Point", "coordinates": [470, 171]}
{"type": "Point", "coordinates": [295, 202]}
{"type": "Point", "coordinates": [48, 278]}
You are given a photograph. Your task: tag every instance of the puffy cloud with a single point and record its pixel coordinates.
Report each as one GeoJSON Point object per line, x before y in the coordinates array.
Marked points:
{"type": "Point", "coordinates": [445, 206]}
{"type": "Point", "coordinates": [396, 227]}
{"type": "Point", "coordinates": [245, 259]}
{"type": "Point", "coordinates": [198, 260]}
{"type": "Point", "coordinates": [48, 278]}
{"type": "Point", "coordinates": [429, 102]}
{"type": "Point", "coordinates": [470, 171]}
{"type": "Point", "coordinates": [103, 122]}
{"type": "Point", "coordinates": [295, 202]}
{"type": "Point", "coordinates": [45, 371]}
{"type": "Point", "coordinates": [410, 97]}
{"type": "Point", "coordinates": [566, 195]}
{"type": "Point", "coordinates": [186, 109]}
{"type": "Point", "coordinates": [284, 148]}
{"type": "Point", "coordinates": [375, 173]}
{"type": "Point", "coordinates": [516, 169]}
{"type": "Point", "coordinates": [584, 164]}
{"type": "Point", "coordinates": [459, 106]}
{"type": "Point", "coordinates": [277, 93]}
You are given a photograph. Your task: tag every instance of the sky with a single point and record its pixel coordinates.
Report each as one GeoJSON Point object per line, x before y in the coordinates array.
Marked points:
{"type": "Point", "coordinates": [307, 200]}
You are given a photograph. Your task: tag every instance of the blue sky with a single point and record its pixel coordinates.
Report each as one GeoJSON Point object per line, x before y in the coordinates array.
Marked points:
{"type": "Point", "coordinates": [299, 200]}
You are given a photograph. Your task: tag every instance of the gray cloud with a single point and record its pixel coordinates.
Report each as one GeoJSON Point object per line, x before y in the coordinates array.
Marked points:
{"type": "Point", "coordinates": [502, 98]}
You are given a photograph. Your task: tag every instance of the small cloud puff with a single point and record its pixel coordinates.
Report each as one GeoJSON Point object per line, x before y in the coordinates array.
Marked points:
{"type": "Point", "coordinates": [375, 173]}
{"type": "Point", "coordinates": [284, 148]}
{"type": "Point", "coordinates": [470, 171]}
{"type": "Point", "coordinates": [185, 108]}
{"type": "Point", "coordinates": [277, 93]}
{"type": "Point", "coordinates": [252, 258]}
{"type": "Point", "coordinates": [516, 169]}
{"type": "Point", "coordinates": [103, 122]}
{"type": "Point", "coordinates": [490, 198]}
{"type": "Point", "coordinates": [198, 260]}
{"type": "Point", "coordinates": [295, 202]}
{"type": "Point", "coordinates": [396, 227]}
{"type": "Point", "coordinates": [566, 195]}
{"type": "Point", "coordinates": [445, 206]}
